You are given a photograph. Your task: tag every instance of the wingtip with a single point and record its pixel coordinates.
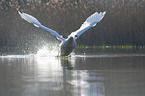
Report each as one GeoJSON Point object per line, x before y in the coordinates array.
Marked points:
{"type": "Point", "coordinates": [104, 12]}
{"type": "Point", "coordinates": [19, 12]}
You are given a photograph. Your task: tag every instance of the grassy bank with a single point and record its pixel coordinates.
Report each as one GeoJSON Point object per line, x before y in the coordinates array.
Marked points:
{"type": "Point", "coordinates": [141, 47]}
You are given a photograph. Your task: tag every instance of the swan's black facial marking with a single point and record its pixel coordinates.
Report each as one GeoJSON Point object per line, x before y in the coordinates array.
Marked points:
{"type": "Point", "coordinates": [76, 36]}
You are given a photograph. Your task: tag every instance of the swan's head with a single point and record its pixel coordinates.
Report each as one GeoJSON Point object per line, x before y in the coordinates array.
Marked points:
{"type": "Point", "coordinates": [74, 35]}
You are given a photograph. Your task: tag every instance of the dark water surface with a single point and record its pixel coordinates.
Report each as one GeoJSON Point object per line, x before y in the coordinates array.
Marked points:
{"type": "Point", "coordinates": [106, 74]}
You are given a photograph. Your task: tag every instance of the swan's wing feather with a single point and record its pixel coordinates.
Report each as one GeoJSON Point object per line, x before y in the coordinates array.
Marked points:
{"type": "Point", "coordinates": [36, 23]}
{"type": "Point", "coordinates": [90, 22]}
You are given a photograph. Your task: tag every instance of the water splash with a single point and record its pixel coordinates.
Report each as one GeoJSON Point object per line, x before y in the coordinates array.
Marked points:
{"type": "Point", "coordinates": [45, 52]}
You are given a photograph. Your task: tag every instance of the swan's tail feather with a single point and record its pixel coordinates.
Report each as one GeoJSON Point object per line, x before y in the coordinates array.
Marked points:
{"type": "Point", "coordinates": [30, 19]}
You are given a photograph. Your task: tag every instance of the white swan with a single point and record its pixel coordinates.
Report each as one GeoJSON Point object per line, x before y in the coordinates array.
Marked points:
{"type": "Point", "coordinates": [67, 45]}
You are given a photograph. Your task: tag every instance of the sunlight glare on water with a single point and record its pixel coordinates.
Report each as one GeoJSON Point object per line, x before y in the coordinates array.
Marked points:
{"type": "Point", "coordinates": [48, 66]}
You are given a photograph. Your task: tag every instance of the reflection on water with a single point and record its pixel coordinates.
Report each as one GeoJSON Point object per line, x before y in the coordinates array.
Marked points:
{"type": "Point", "coordinates": [78, 75]}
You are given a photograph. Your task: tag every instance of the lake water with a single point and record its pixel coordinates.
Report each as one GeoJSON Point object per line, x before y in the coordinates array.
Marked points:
{"type": "Point", "coordinates": [88, 73]}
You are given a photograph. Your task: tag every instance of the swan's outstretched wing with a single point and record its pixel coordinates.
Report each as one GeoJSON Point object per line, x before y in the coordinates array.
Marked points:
{"type": "Point", "coordinates": [36, 23]}
{"type": "Point", "coordinates": [90, 22]}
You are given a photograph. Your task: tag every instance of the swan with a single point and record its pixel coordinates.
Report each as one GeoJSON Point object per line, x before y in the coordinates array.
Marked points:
{"type": "Point", "coordinates": [67, 45]}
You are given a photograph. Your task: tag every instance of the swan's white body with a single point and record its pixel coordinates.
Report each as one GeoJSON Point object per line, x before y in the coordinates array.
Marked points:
{"type": "Point", "coordinates": [67, 45]}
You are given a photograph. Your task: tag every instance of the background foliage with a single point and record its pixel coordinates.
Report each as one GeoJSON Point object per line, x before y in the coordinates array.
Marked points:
{"type": "Point", "coordinates": [123, 24]}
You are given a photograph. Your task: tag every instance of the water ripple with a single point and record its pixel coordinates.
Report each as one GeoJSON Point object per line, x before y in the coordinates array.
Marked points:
{"type": "Point", "coordinates": [109, 55]}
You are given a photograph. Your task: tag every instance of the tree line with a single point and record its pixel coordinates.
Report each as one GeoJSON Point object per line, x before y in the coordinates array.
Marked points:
{"type": "Point", "coordinates": [123, 24]}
